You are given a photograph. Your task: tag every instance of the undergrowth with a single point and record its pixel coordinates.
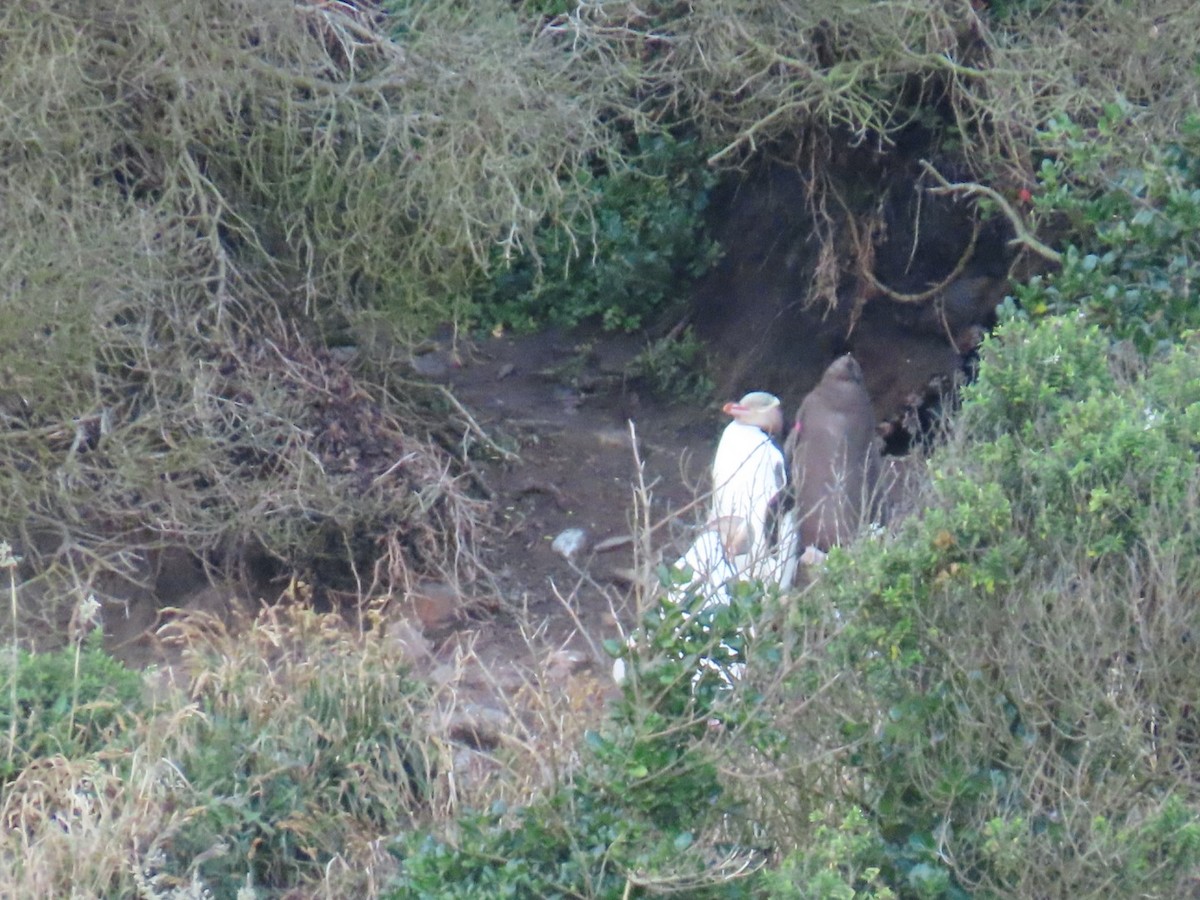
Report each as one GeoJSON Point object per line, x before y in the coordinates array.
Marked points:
{"type": "Point", "coordinates": [992, 699]}
{"type": "Point", "coordinates": [68, 702]}
{"type": "Point", "coordinates": [1131, 264]}
{"type": "Point", "coordinates": [293, 745]}
{"type": "Point", "coordinates": [995, 697]}
{"type": "Point", "coordinates": [626, 257]}
{"type": "Point", "coordinates": [1008, 711]}
{"type": "Point", "coordinates": [643, 811]}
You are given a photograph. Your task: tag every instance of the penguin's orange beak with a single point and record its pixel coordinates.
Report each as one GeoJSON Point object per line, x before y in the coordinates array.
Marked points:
{"type": "Point", "coordinates": [732, 408]}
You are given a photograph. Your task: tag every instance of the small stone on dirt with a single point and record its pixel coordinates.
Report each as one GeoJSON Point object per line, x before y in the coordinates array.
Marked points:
{"type": "Point", "coordinates": [627, 576]}
{"type": "Point", "coordinates": [612, 437]}
{"type": "Point", "coordinates": [434, 364]}
{"type": "Point", "coordinates": [477, 726]}
{"type": "Point", "coordinates": [562, 664]}
{"type": "Point", "coordinates": [569, 542]}
{"type": "Point", "coordinates": [436, 605]}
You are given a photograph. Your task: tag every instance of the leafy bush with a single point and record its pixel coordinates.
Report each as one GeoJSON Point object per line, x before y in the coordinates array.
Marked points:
{"type": "Point", "coordinates": [1133, 261]}
{"type": "Point", "coordinates": [647, 241]}
{"type": "Point", "coordinates": [839, 863]}
{"type": "Point", "coordinates": [1004, 698]}
{"type": "Point", "coordinates": [70, 702]}
{"type": "Point", "coordinates": [675, 367]}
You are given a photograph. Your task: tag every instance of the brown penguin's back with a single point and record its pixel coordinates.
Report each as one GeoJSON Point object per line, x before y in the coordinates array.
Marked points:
{"type": "Point", "coordinates": [834, 456]}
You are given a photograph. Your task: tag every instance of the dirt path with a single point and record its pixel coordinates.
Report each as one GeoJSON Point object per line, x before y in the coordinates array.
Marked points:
{"type": "Point", "coordinates": [563, 404]}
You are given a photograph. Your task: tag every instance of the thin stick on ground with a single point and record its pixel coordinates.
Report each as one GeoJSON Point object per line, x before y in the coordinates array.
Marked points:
{"type": "Point", "coordinates": [9, 561]}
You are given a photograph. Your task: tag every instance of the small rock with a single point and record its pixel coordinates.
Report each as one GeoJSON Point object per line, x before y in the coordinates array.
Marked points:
{"type": "Point", "coordinates": [569, 542]}
{"type": "Point", "coordinates": [433, 364]}
{"type": "Point", "coordinates": [612, 437]}
{"type": "Point", "coordinates": [620, 669]}
{"type": "Point", "coordinates": [436, 605]}
{"type": "Point", "coordinates": [495, 677]}
{"type": "Point", "coordinates": [627, 576]}
{"type": "Point", "coordinates": [619, 672]}
{"type": "Point", "coordinates": [477, 726]}
{"type": "Point", "coordinates": [561, 664]}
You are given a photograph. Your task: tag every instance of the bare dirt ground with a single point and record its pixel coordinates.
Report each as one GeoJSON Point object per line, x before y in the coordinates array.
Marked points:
{"type": "Point", "coordinates": [565, 407]}
{"type": "Point", "coordinates": [564, 404]}
{"type": "Point", "coordinates": [562, 407]}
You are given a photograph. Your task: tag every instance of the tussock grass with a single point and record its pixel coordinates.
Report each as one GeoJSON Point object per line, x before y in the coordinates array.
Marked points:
{"type": "Point", "coordinates": [289, 751]}
{"type": "Point", "coordinates": [275, 756]}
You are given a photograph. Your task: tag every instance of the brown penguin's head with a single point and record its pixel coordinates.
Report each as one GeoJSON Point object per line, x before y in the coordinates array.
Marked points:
{"type": "Point", "coordinates": [844, 368]}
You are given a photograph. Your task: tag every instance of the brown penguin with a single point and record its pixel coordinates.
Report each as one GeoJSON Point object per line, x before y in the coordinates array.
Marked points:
{"type": "Point", "coordinates": [834, 457]}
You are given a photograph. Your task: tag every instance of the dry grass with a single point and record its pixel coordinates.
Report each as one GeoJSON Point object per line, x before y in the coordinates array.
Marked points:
{"type": "Point", "coordinates": [338, 741]}
{"type": "Point", "coordinates": [196, 198]}
{"type": "Point", "coordinates": [198, 195]}
{"type": "Point", "coordinates": [772, 76]}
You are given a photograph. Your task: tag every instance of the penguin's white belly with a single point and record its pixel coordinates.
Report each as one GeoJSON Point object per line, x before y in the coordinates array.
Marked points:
{"type": "Point", "coordinates": [748, 472]}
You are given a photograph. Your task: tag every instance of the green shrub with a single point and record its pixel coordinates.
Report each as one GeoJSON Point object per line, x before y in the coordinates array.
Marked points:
{"type": "Point", "coordinates": [305, 740]}
{"type": "Point", "coordinates": [1133, 261]}
{"type": "Point", "coordinates": [838, 864]}
{"type": "Point", "coordinates": [1078, 448]}
{"type": "Point", "coordinates": [648, 240]}
{"type": "Point", "coordinates": [561, 847]}
{"type": "Point", "coordinates": [675, 367]}
{"type": "Point", "coordinates": [70, 702]}
{"type": "Point", "coordinates": [994, 698]}
{"type": "Point", "coordinates": [1004, 697]}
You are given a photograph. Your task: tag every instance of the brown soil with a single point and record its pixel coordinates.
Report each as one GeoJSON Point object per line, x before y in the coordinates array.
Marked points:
{"type": "Point", "coordinates": [561, 405]}
{"type": "Point", "coordinates": [564, 404]}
